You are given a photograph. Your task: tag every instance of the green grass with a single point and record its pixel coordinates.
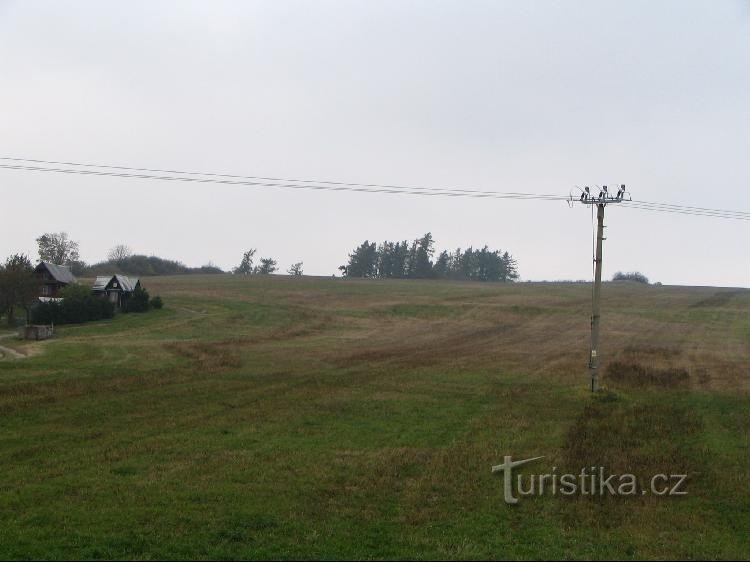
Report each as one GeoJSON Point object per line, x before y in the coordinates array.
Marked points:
{"type": "Point", "coordinates": [329, 418]}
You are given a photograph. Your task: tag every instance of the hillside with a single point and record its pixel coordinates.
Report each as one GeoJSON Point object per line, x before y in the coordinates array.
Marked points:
{"type": "Point", "coordinates": [278, 417]}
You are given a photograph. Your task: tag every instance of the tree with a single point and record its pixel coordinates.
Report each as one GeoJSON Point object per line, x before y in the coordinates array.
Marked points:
{"type": "Point", "coordinates": [267, 266]}
{"type": "Point", "coordinates": [246, 266]}
{"type": "Point", "coordinates": [636, 276]}
{"type": "Point", "coordinates": [57, 248]}
{"type": "Point", "coordinates": [511, 267]}
{"type": "Point", "coordinates": [421, 260]}
{"type": "Point", "coordinates": [363, 261]}
{"type": "Point", "coordinates": [442, 265]}
{"type": "Point", "coordinates": [296, 269]}
{"type": "Point", "coordinates": [119, 253]}
{"type": "Point", "coordinates": [138, 301]}
{"type": "Point", "coordinates": [19, 286]}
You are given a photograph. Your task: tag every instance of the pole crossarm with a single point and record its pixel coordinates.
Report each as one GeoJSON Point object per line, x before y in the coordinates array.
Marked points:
{"type": "Point", "coordinates": [603, 198]}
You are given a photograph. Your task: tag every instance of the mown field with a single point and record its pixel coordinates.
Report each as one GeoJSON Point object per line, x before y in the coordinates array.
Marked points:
{"type": "Point", "coordinates": [328, 418]}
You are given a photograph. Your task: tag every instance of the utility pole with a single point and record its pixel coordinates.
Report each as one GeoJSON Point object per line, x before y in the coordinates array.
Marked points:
{"type": "Point", "coordinates": [601, 202]}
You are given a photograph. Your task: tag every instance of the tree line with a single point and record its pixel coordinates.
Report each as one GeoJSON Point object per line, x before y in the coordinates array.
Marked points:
{"type": "Point", "coordinates": [404, 260]}
{"type": "Point", "coordinates": [60, 249]}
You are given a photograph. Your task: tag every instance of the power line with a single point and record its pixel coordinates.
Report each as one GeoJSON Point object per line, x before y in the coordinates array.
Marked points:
{"type": "Point", "coordinates": [160, 174]}
{"type": "Point", "coordinates": [720, 214]}
{"type": "Point", "coordinates": [280, 179]}
{"type": "Point", "coordinates": [340, 187]}
{"type": "Point", "coordinates": [687, 207]}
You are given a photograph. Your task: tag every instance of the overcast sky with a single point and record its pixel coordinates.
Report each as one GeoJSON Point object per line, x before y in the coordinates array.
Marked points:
{"type": "Point", "coordinates": [508, 96]}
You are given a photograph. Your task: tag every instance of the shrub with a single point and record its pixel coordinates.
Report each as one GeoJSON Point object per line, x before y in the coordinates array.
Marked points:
{"type": "Point", "coordinates": [47, 313]}
{"type": "Point", "coordinates": [138, 301]}
{"type": "Point", "coordinates": [156, 302]}
{"type": "Point", "coordinates": [78, 305]}
{"type": "Point", "coordinates": [636, 276]}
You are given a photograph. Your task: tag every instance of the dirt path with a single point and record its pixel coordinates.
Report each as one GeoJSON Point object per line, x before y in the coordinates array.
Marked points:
{"type": "Point", "coordinates": [6, 352]}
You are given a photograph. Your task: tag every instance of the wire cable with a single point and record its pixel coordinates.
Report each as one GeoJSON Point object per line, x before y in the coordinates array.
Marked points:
{"type": "Point", "coordinates": [158, 174]}
{"type": "Point", "coordinates": [325, 187]}
{"type": "Point", "coordinates": [270, 179]}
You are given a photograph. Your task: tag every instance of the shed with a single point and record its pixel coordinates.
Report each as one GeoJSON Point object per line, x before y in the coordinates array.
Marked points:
{"type": "Point", "coordinates": [53, 277]}
{"type": "Point", "coordinates": [116, 288]}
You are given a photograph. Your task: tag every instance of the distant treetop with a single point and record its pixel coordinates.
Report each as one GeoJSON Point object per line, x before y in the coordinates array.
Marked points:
{"type": "Point", "coordinates": [636, 276]}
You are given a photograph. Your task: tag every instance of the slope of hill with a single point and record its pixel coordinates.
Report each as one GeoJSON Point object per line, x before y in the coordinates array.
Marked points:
{"type": "Point", "coordinates": [276, 417]}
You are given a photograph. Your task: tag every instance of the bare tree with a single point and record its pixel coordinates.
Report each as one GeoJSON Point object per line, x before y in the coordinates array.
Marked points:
{"type": "Point", "coordinates": [119, 253]}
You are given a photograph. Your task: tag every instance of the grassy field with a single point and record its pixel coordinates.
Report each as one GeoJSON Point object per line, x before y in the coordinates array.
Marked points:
{"type": "Point", "coordinates": [306, 418]}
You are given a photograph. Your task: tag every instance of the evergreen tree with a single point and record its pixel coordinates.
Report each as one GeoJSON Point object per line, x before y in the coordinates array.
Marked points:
{"type": "Point", "coordinates": [421, 256]}
{"type": "Point", "coordinates": [362, 262]}
{"type": "Point", "coordinates": [441, 268]}
{"type": "Point", "coordinates": [402, 259]}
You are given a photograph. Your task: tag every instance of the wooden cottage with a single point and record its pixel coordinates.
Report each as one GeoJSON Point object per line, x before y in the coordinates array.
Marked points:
{"type": "Point", "coordinates": [54, 278]}
{"type": "Point", "coordinates": [116, 288]}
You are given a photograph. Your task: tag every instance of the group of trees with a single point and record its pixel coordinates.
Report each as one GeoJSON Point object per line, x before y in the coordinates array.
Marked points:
{"type": "Point", "coordinates": [58, 248]}
{"type": "Point", "coordinates": [121, 259]}
{"type": "Point", "coordinates": [636, 276]}
{"type": "Point", "coordinates": [401, 259]}
{"type": "Point", "coordinates": [266, 266]}
{"type": "Point", "coordinates": [142, 265]}
{"type": "Point", "coordinates": [415, 261]}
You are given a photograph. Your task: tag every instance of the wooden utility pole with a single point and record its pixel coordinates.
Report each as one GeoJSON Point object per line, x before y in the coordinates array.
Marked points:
{"type": "Point", "coordinates": [594, 355]}
{"type": "Point", "coordinates": [601, 201]}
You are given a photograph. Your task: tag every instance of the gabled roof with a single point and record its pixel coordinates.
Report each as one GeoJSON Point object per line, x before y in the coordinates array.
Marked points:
{"type": "Point", "coordinates": [101, 282]}
{"type": "Point", "coordinates": [125, 283]}
{"type": "Point", "coordinates": [59, 273]}
{"type": "Point", "coordinates": [128, 284]}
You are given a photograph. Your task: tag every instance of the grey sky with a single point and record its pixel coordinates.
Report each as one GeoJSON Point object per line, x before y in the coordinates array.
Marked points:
{"type": "Point", "coordinates": [508, 96]}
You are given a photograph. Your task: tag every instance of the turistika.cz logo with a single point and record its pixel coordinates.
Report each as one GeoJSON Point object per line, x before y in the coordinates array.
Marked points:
{"type": "Point", "coordinates": [590, 481]}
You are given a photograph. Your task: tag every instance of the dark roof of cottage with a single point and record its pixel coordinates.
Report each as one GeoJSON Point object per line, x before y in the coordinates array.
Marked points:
{"type": "Point", "coordinates": [127, 284]}
{"type": "Point", "coordinates": [59, 273]}
{"type": "Point", "coordinates": [101, 282]}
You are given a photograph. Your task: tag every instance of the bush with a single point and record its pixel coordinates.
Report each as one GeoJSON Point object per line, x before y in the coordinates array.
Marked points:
{"type": "Point", "coordinates": [78, 305]}
{"type": "Point", "coordinates": [138, 301]}
{"type": "Point", "coordinates": [156, 302]}
{"type": "Point", "coordinates": [636, 276]}
{"type": "Point", "coordinates": [47, 313]}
